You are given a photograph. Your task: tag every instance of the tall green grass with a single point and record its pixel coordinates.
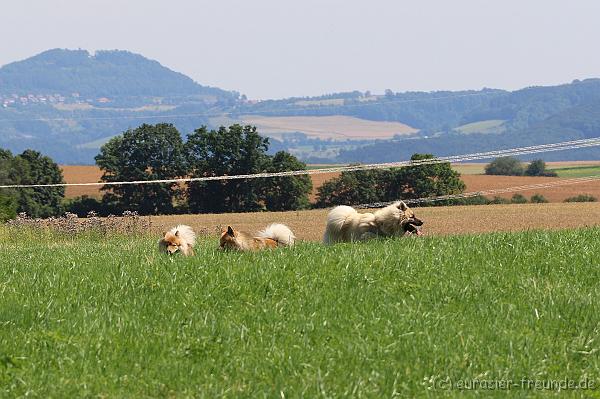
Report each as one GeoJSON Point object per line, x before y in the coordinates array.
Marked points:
{"type": "Point", "coordinates": [110, 317]}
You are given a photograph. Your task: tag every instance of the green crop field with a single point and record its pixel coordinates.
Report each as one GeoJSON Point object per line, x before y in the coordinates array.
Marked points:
{"type": "Point", "coordinates": [578, 171]}
{"type": "Point", "coordinates": [487, 126]}
{"type": "Point", "coordinates": [96, 316]}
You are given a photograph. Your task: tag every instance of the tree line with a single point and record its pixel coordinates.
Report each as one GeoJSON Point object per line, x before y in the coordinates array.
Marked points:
{"type": "Point", "coordinates": [29, 167]}
{"type": "Point", "coordinates": [159, 152]}
{"type": "Point", "coordinates": [382, 185]}
{"type": "Point", "coordinates": [510, 166]}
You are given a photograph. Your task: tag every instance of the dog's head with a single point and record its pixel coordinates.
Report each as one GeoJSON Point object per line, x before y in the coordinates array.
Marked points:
{"type": "Point", "coordinates": [228, 240]}
{"type": "Point", "coordinates": [171, 242]}
{"type": "Point", "coordinates": [397, 218]}
{"type": "Point", "coordinates": [411, 223]}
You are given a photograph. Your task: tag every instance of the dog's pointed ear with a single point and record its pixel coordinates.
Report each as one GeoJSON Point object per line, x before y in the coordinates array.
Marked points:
{"type": "Point", "coordinates": [402, 206]}
{"type": "Point", "coordinates": [229, 231]}
{"type": "Point", "coordinates": [177, 233]}
{"type": "Point", "coordinates": [164, 233]}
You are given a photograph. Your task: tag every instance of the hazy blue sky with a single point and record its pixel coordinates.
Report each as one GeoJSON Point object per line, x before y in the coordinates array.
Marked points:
{"type": "Point", "coordinates": [279, 48]}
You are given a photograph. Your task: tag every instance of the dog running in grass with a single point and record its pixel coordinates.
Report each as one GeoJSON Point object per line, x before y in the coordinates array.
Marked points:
{"type": "Point", "coordinates": [345, 224]}
{"type": "Point", "coordinates": [275, 235]}
{"type": "Point", "coordinates": [179, 239]}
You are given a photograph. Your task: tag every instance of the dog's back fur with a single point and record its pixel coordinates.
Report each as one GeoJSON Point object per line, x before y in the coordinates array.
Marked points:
{"type": "Point", "coordinates": [272, 236]}
{"type": "Point", "coordinates": [179, 238]}
{"type": "Point", "coordinates": [345, 224]}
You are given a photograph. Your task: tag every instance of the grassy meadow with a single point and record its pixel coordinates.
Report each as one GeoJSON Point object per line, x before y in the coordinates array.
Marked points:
{"type": "Point", "coordinates": [95, 316]}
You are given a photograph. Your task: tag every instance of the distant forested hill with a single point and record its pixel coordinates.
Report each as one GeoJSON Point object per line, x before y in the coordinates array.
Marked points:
{"type": "Point", "coordinates": [464, 121]}
{"type": "Point", "coordinates": [535, 115]}
{"type": "Point", "coordinates": [67, 103]}
{"type": "Point", "coordinates": [103, 74]}
{"type": "Point", "coordinates": [431, 110]}
{"type": "Point", "coordinates": [443, 110]}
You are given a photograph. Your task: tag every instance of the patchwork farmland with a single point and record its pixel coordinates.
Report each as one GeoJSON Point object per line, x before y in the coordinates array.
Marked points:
{"type": "Point", "coordinates": [472, 175]}
{"type": "Point", "coordinates": [486, 301]}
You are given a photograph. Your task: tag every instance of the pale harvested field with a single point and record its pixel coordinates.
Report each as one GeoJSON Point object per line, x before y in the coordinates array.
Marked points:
{"type": "Point", "coordinates": [317, 181]}
{"type": "Point", "coordinates": [334, 127]}
{"type": "Point", "coordinates": [469, 168]}
{"type": "Point", "coordinates": [571, 164]}
{"type": "Point", "coordinates": [309, 225]}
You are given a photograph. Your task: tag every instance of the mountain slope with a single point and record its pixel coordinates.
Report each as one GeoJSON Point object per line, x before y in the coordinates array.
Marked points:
{"type": "Point", "coordinates": [105, 74]}
{"type": "Point", "coordinates": [68, 102]}
{"type": "Point", "coordinates": [577, 122]}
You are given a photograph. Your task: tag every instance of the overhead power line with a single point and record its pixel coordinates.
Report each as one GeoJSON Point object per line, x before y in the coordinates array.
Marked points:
{"type": "Point", "coordinates": [561, 146]}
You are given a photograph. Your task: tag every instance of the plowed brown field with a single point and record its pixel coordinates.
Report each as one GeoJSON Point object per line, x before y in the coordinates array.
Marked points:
{"type": "Point", "coordinates": [81, 174]}
{"type": "Point", "coordinates": [554, 194]}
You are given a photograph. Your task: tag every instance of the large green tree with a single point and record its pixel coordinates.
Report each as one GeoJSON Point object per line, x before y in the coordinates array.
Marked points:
{"type": "Point", "coordinates": [352, 188]}
{"type": "Point", "coordinates": [44, 201]}
{"type": "Point", "coordinates": [8, 199]}
{"type": "Point", "coordinates": [419, 181]}
{"type": "Point", "coordinates": [287, 192]}
{"type": "Point", "coordinates": [507, 166]}
{"type": "Point", "coordinates": [31, 167]}
{"type": "Point", "coordinates": [371, 186]}
{"type": "Point", "coordinates": [538, 168]}
{"type": "Point", "coordinates": [241, 150]}
{"type": "Point", "coordinates": [226, 151]}
{"type": "Point", "coordinates": [149, 152]}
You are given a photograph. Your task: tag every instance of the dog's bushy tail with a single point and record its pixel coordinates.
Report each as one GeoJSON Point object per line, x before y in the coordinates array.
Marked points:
{"type": "Point", "coordinates": [335, 222]}
{"type": "Point", "coordinates": [185, 233]}
{"type": "Point", "coordinates": [280, 233]}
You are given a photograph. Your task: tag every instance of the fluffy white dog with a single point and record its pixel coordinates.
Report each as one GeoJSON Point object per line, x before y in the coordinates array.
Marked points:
{"type": "Point", "coordinates": [345, 224]}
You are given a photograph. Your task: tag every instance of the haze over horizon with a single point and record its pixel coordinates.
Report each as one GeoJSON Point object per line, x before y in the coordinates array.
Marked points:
{"type": "Point", "coordinates": [270, 49]}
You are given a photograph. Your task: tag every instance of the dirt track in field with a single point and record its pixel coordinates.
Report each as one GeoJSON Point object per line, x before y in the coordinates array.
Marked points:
{"type": "Point", "coordinates": [309, 225]}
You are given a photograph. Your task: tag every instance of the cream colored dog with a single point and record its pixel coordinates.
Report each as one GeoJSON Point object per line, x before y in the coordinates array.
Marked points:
{"type": "Point", "coordinates": [345, 224]}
